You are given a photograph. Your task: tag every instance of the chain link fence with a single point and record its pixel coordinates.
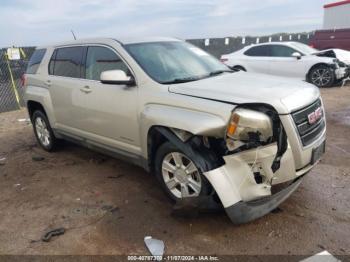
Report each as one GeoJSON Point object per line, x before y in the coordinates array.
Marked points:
{"type": "Point", "coordinates": [11, 71]}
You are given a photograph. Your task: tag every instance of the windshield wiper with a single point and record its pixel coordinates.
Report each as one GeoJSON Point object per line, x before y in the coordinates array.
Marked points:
{"type": "Point", "coordinates": [191, 79]}
{"type": "Point", "coordinates": [219, 72]}
{"type": "Point", "coordinates": [182, 80]}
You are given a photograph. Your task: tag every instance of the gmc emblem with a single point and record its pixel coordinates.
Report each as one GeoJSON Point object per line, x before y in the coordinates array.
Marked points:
{"type": "Point", "coordinates": [315, 116]}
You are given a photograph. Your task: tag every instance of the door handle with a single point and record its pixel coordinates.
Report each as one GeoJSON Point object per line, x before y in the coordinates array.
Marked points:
{"type": "Point", "coordinates": [48, 83]}
{"type": "Point", "coordinates": [86, 89]}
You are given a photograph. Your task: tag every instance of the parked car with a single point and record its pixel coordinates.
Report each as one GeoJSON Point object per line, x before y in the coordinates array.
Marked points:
{"type": "Point", "coordinates": [211, 135]}
{"type": "Point", "coordinates": [328, 39]}
{"type": "Point", "coordinates": [289, 59]}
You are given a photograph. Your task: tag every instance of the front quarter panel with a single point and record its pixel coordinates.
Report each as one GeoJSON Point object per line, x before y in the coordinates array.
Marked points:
{"type": "Point", "coordinates": [313, 60]}
{"type": "Point", "coordinates": [192, 121]}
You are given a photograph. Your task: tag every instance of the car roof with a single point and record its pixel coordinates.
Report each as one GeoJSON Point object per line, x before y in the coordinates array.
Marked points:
{"type": "Point", "coordinates": [123, 41]}
{"type": "Point", "coordinates": [275, 43]}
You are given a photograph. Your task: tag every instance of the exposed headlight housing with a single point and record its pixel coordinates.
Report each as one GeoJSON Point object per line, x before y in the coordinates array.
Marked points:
{"type": "Point", "coordinates": [249, 126]}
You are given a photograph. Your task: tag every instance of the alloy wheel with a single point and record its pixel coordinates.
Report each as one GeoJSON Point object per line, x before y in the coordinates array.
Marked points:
{"type": "Point", "coordinates": [42, 132]}
{"type": "Point", "coordinates": [181, 176]}
{"type": "Point", "coordinates": [321, 77]}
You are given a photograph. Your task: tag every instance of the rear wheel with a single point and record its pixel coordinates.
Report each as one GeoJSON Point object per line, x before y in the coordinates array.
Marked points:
{"type": "Point", "coordinates": [43, 131]}
{"type": "Point", "coordinates": [322, 76]}
{"type": "Point", "coordinates": [179, 174]}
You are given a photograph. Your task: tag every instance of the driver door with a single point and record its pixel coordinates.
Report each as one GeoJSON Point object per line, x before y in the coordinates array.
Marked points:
{"type": "Point", "coordinates": [282, 62]}
{"type": "Point", "coordinates": [110, 117]}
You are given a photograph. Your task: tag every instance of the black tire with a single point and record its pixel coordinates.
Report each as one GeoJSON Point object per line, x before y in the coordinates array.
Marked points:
{"type": "Point", "coordinates": [239, 68]}
{"type": "Point", "coordinates": [163, 151]}
{"type": "Point", "coordinates": [338, 82]}
{"type": "Point", "coordinates": [322, 76]}
{"type": "Point", "coordinates": [52, 141]}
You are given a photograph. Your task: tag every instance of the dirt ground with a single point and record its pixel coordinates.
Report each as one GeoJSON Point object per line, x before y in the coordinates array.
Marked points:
{"type": "Point", "coordinates": [109, 206]}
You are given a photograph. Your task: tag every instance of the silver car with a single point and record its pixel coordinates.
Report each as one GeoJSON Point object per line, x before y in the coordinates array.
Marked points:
{"type": "Point", "coordinates": [211, 135]}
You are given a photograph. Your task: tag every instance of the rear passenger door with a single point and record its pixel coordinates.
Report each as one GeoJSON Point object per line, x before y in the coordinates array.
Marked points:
{"type": "Point", "coordinates": [110, 117]}
{"type": "Point", "coordinates": [258, 58]}
{"type": "Point", "coordinates": [64, 82]}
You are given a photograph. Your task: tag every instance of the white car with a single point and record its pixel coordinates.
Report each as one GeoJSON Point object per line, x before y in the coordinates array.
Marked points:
{"type": "Point", "coordinates": [288, 59]}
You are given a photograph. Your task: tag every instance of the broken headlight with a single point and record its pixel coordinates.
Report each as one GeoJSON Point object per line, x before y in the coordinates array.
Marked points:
{"type": "Point", "coordinates": [249, 126]}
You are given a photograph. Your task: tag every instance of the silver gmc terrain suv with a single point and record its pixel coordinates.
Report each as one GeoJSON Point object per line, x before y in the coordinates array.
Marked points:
{"type": "Point", "coordinates": [240, 140]}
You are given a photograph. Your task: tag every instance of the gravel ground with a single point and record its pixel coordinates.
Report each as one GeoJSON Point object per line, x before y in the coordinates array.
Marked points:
{"type": "Point", "coordinates": [108, 206]}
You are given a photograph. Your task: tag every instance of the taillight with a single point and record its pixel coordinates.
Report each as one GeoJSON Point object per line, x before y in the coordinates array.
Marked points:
{"type": "Point", "coordinates": [23, 81]}
{"type": "Point", "coordinates": [312, 45]}
{"type": "Point", "coordinates": [223, 60]}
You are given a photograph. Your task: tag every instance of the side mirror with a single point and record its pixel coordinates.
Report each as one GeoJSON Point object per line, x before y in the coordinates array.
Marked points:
{"type": "Point", "coordinates": [116, 77]}
{"type": "Point", "coordinates": [297, 55]}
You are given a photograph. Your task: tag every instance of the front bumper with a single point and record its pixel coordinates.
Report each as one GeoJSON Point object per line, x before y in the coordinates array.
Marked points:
{"type": "Point", "coordinates": [347, 72]}
{"type": "Point", "coordinates": [242, 212]}
{"type": "Point", "coordinates": [341, 72]}
{"type": "Point", "coordinates": [245, 199]}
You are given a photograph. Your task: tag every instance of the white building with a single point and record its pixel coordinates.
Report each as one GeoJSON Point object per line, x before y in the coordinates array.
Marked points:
{"type": "Point", "coordinates": [337, 15]}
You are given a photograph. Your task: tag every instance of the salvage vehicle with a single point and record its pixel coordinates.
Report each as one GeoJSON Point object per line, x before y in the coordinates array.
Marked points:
{"type": "Point", "coordinates": [289, 59]}
{"type": "Point", "coordinates": [211, 135]}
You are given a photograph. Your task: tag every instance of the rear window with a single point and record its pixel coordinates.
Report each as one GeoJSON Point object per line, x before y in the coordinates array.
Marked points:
{"type": "Point", "coordinates": [67, 62]}
{"type": "Point", "coordinates": [35, 61]}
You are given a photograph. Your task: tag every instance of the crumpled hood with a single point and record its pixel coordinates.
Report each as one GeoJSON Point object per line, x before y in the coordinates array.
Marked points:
{"type": "Point", "coordinates": [284, 94]}
{"type": "Point", "coordinates": [340, 54]}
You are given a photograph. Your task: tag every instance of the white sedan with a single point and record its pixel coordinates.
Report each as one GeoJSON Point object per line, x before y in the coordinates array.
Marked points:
{"type": "Point", "coordinates": [288, 59]}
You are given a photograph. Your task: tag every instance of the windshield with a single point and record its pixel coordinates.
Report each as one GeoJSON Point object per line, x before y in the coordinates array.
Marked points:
{"type": "Point", "coordinates": [305, 49]}
{"type": "Point", "coordinates": [175, 62]}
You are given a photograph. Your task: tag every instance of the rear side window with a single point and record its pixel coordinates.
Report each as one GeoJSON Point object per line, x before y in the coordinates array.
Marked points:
{"type": "Point", "coordinates": [35, 61]}
{"type": "Point", "coordinates": [99, 59]}
{"type": "Point", "coordinates": [67, 62]}
{"type": "Point", "coordinates": [263, 50]}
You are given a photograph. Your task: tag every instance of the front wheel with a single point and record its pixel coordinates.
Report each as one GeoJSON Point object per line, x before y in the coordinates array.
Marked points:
{"type": "Point", "coordinates": [179, 174]}
{"type": "Point", "coordinates": [322, 76]}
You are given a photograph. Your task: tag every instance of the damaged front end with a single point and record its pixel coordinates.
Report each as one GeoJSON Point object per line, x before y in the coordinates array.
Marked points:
{"type": "Point", "coordinates": [256, 156]}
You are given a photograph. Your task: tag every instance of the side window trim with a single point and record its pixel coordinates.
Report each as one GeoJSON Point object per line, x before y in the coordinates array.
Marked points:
{"type": "Point", "coordinates": [83, 62]}
{"type": "Point", "coordinates": [52, 60]}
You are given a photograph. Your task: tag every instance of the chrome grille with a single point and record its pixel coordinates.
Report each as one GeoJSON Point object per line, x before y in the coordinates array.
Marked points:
{"type": "Point", "coordinates": [309, 132]}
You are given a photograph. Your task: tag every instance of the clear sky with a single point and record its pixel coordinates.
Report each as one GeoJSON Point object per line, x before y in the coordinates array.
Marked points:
{"type": "Point", "coordinates": [37, 22]}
